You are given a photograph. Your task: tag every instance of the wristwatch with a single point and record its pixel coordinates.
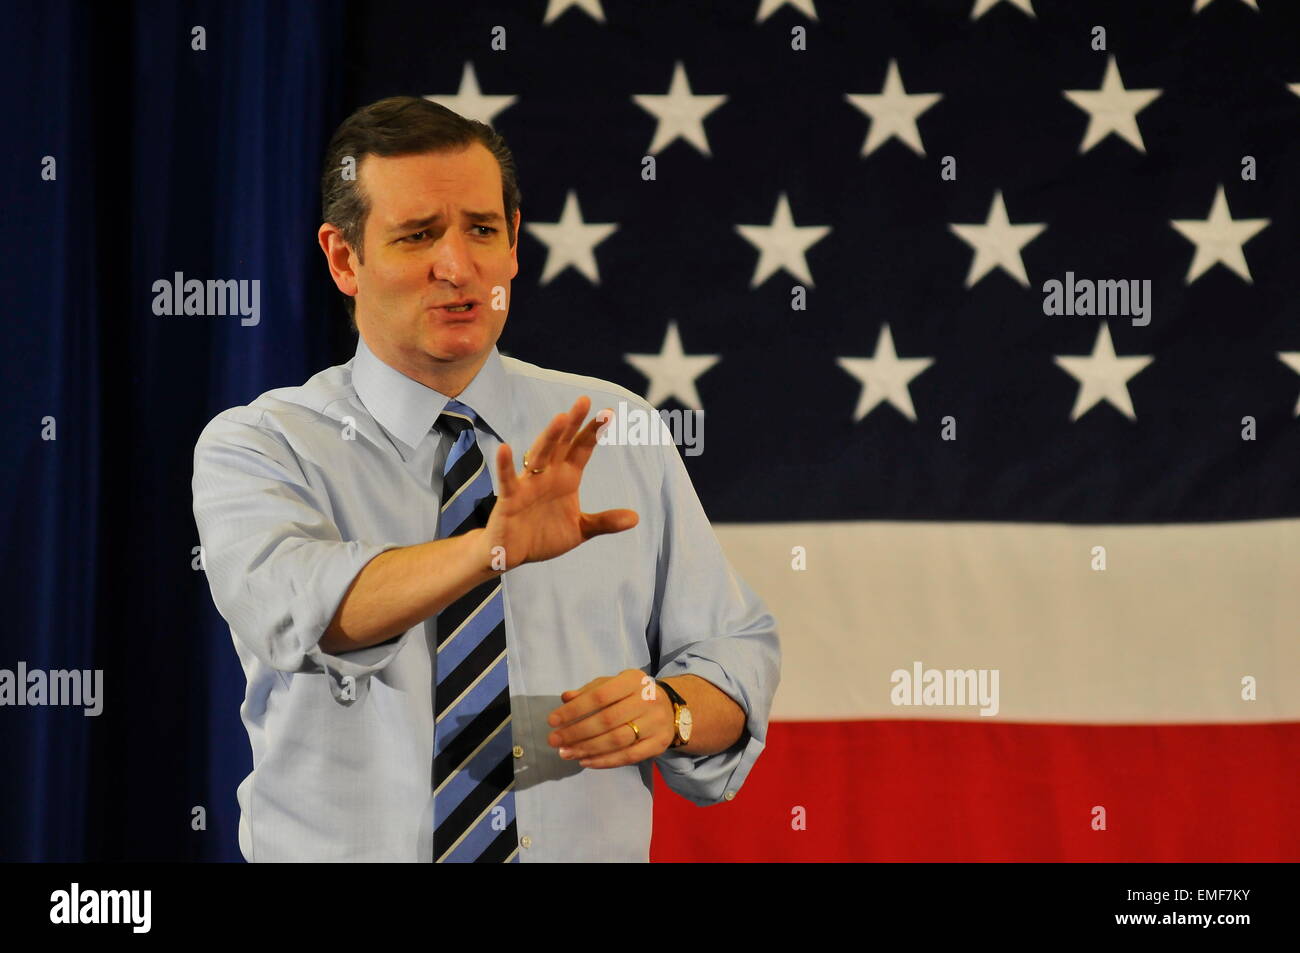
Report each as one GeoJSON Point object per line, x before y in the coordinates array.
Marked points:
{"type": "Point", "coordinates": [682, 721]}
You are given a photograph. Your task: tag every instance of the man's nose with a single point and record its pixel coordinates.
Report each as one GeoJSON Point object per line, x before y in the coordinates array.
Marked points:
{"type": "Point", "coordinates": [451, 261]}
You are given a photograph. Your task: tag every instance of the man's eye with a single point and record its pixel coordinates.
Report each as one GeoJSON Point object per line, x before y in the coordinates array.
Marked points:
{"type": "Point", "coordinates": [424, 233]}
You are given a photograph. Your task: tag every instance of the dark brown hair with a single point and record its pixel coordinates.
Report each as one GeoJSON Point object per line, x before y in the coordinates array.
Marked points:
{"type": "Point", "coordinates": [398, 126]}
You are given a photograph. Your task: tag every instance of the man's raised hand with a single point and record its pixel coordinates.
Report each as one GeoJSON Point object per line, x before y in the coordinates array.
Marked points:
{"type": "Point", "coordinates": [536, 515]}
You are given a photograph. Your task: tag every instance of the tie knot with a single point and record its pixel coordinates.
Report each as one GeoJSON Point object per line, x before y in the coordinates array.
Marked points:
{"type": "Point", "coordinates": [457, 418]}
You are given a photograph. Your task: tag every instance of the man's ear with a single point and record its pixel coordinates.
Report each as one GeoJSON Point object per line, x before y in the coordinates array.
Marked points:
{"type": "Point", "coordinates": [339, 257]}
{"type": "Point", "coordinates": [514, 249]}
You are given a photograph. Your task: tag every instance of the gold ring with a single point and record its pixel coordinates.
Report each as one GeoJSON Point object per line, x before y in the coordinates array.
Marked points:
{"type": "Point", "coordinates": [635, 730]}
{"type": "Point", "coordinates": [531, 469]}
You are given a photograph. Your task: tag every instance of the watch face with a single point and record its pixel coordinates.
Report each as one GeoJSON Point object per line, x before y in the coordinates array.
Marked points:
{"type": "Point", "coordinates": [684, 724]}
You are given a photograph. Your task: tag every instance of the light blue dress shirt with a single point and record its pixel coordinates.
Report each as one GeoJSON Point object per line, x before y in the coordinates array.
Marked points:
{"type": "Point", "coordinates": [296, 492]}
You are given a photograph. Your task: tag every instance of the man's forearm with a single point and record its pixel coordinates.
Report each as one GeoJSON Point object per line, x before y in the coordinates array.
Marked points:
{"type": "Point", "coordinates": [717, 721]}
{"type": "Point", "coordinates": [401, 587]}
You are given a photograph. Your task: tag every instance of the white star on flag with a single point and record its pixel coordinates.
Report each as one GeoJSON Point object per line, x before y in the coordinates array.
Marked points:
{"type": "Point", "coordinates": [470, 102]}
{"type": "Point", "coordinates": [680, 113]}
{"type": "Point", "coordinates": [997, 243]}
{"type": "Point", "coordinates": [672, 372]}
{"type": "Point", "coordinates": [1112, 108]}
{"type": "Point", "coordinates": [782, 244]}
{"type": "Point", "coordinates": [768, 7]}
{"type": "Point", "coordinates": [884, 376]}
{"type": "Point", "coordinates": [893, 112]}
{"type": "Point", "coordinates": [984, 6]}
{"type": "Point", "coordinates": [555, 7]}
{"type": "Point", "coordinates": [1219, 238]}
{"type": "Point", "coordinates": [1103, 376]}
{"type": "Point", "coordinates": [571, 241]}
{"type": "Point", "coordinates": [1292, 360]}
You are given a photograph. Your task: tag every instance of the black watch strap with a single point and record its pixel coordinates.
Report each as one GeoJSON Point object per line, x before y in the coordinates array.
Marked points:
{"type": "Point", "coordinates": [672, 693]}
{"type": "Point", "coordinates": [677, 700]}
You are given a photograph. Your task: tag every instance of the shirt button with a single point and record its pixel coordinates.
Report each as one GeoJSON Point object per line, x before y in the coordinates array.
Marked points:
{"type": "Point", "coordinates": [729, 795]}
{"type": "Point", "coordinates": [518, 751]}
{"type": "Point", "coordinates": [525, 841]}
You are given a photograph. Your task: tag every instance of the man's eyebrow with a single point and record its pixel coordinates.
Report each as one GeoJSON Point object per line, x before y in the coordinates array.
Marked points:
{"type": "Point", "coordinates": [414, 224]}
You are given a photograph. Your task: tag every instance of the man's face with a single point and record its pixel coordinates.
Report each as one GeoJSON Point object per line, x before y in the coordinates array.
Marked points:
{"type": "Point", "coordinates": [435, 235]}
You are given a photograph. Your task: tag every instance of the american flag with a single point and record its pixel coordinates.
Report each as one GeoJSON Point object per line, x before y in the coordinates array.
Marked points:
{"type": "Point", "coordinates": [990, 309]}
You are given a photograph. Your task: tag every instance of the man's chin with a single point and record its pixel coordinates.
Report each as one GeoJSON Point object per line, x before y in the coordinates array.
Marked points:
{"type": "Point", "coordinates": [453, 343]}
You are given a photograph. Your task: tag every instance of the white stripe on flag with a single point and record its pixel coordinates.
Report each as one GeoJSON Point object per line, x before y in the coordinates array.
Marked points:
{"type": "Point", "coordinates": [1164, 635]}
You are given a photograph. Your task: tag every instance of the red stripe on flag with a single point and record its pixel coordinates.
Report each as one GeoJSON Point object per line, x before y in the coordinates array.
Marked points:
{"type": "Point", "coordinates": [966, 791]}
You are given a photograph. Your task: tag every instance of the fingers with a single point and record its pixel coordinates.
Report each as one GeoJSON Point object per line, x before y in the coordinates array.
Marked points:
{"type": "Point", "coordinates": [606, 719]}
{"type": "Point", "coordinates": [540, 451]}
{"type": "Point", "coordinates": [554, 442]}
{"type": "Point", "coordinates": [604, 739]}
{"type": "Point", "coordinates": [575, 692]}
{"type": "Point", "coordinates": [607, 521]}
{"type": "Point", "coordinates": [565, 437]}
{"type": "Point", "coordinates": [507, 479]}
{"type": "Point", "coordinates": [633, 754]}
{"type": "Point", "coordinates": [574, 420]}
{"type": "Point", "coordinates": [584, 443]}
{"type": "Point", "coordinates": [580, 704]}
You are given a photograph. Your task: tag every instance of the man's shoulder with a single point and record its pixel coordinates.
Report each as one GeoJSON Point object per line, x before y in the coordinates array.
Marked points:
{"type": "Point", "coordinates": [319, 401]}
{"type": "Point", "coordinates": [557, 390]}
{"type": "Point", "coordinates": [546, 380]}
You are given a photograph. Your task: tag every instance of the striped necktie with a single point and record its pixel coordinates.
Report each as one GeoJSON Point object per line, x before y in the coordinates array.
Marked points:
{"type": "Point", "coordinates": [473, 764]}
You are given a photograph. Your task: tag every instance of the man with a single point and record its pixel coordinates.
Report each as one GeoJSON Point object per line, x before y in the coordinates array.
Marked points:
{"type": "Point", "coordinates": [442, 666]}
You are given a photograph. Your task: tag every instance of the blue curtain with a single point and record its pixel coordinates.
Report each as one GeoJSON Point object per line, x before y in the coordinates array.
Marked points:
{"type": "Point", "coordinates": [165, 159]}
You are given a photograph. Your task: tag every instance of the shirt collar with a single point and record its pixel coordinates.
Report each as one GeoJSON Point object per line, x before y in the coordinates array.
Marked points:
{"type": "Point", "coordinates": [408, 409]}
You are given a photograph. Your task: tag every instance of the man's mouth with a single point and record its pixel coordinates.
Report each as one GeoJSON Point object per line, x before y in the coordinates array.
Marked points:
{"type": "Point", "coordinates": [459, 307]}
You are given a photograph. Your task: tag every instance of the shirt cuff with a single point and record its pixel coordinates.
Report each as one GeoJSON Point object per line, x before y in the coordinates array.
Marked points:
{"type": "Point", "coordinates": [349, 672]}
{"type": "Point", "coordinates": [706, 779]}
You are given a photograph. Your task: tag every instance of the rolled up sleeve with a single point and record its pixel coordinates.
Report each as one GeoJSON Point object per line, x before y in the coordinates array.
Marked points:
{"type": "Point", "coordinates": [276, 563]}
{"type": "Point", "coordinates": [709, 623]}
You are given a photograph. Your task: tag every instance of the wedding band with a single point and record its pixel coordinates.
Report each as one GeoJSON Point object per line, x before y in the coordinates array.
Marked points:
{"type": "Point", "coordinates": [635, 730]}
{"type": "Point", "coordinates": [531, 469]}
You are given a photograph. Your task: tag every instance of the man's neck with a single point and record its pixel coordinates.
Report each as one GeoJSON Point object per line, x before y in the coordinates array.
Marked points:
{"type": "Point", "coordinates": [446, 377]}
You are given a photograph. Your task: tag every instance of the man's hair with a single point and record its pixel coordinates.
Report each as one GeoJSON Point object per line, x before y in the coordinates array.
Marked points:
{"type": "Point", "coordinates": [399, 126]}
